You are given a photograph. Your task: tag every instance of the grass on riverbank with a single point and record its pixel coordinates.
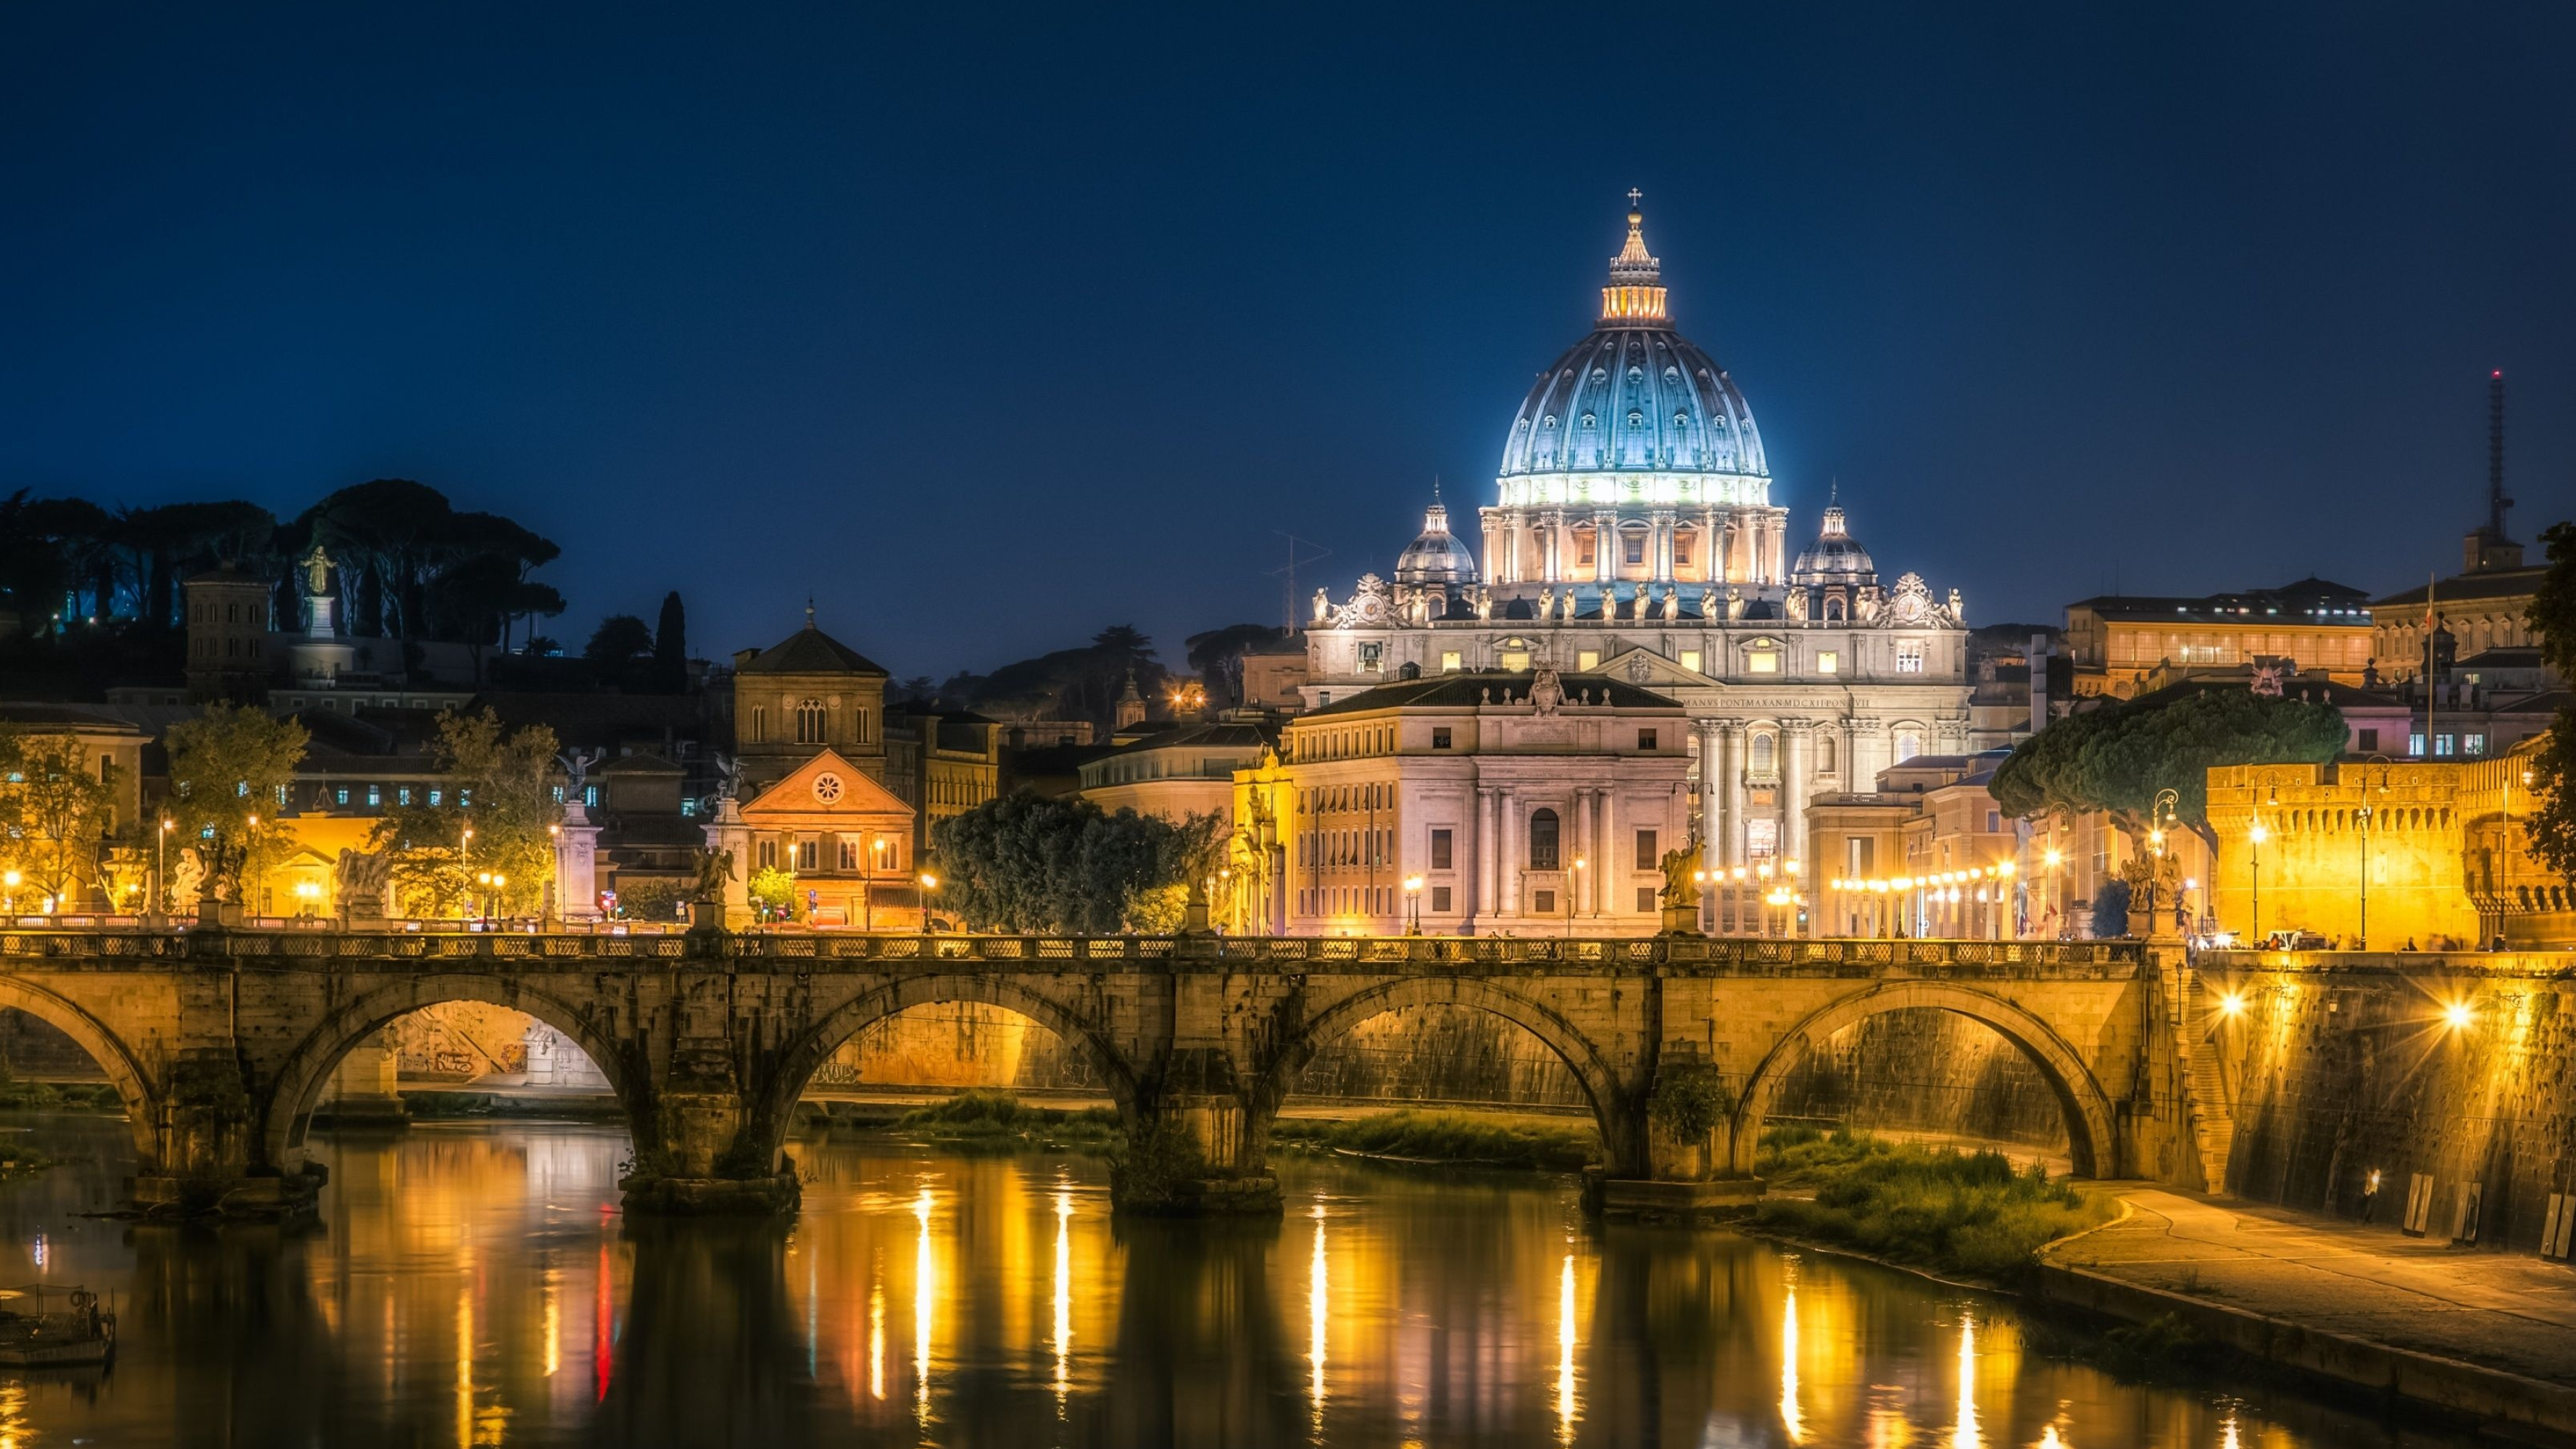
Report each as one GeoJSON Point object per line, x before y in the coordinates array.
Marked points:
{"type": "Point", "coordinates": [24, 1094]}
{"type": "Point", "coordinates": [1969, 1214]}
{"type": "Point", "coordinates": [1000, 1119]}
{"type": "Point", "coordinates": [1449, 1137]}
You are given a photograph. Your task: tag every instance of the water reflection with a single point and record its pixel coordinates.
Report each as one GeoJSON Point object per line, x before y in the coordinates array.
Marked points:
{"type": "Point", "coordinates": [474, 1286]}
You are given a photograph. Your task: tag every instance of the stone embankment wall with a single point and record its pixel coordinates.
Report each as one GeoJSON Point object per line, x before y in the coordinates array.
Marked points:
{"type": "Point", "coordinates": [2335, 1072]}
{"type": "Point", "coordinates": [1924, 1071]}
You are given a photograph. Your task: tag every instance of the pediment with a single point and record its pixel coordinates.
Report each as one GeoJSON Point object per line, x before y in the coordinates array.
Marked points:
{"type": "Point", "coordinates": [1646, 669]}
{"type": "Point", "coordinates": [850, 792]}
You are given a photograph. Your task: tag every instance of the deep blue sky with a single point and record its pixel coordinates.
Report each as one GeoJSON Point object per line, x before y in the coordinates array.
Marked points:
{"type": "Point", "coordinates": [992, 325]}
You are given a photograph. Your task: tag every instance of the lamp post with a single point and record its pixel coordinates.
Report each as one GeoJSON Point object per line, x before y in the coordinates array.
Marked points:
{"type": "Point", "coordinates": [9, 882]}
{"type": "Point", "coordinates": [1413, 905]}
{"type": "Point", "coordinates": [464, 850]}
{"type": "Point", "coordinates": [160, 867]}
{"type": "Point", "coordinates": [929, 883]}
{"type": "Point", "coordinates": [2256, 836]}
{"type": "Point", "coordinates": [868, 882]}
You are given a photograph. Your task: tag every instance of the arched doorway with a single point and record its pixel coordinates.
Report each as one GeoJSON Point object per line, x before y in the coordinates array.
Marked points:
{"type": "Point", "coordinates": [135, 1088]}
{"type": "Point", "coordinates": [2091, 1144]}
{"type": "Point", "coordinates": [297, 1086]}
{"type": "Point", "coordinates": [1594, 1084]}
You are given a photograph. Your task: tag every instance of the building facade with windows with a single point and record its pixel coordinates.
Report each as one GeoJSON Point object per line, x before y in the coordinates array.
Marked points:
{"type": "Point", "coordinates": [2316, 625]}
{"type": "Point", "coordinates": [1633, 536]}
{"type": "Point", "coordinates": [801, 696]}
{"type": "Point", "coordinates": [1525, 803]}
{"type": "Point", "coordinates": [845, 838]}
{"type": "Point", "coordinates": [1182, 772]}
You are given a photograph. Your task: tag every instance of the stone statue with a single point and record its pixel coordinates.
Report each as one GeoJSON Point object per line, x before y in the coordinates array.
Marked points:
{"type": "Point", "coordinates": [1679, 888]}
{"type": "Point", "coordinates": [1796, 603]}
{"type": "Point", "coordinates": [1323, 605]}
{"type": "Point", "coordinates": [577, 765]}
{"type": "Point", "coordinates": [715, 868]}
{"type": "Point", "coordinates": [728, 777]}
{"type": "Point", "coordinates": [1545, 692]}
{"type": "Point", "coordinates": [1547, 603]}
{"type": "Point", "coordinates": [1734, 602]}
{"type": "Point", "coordinates": [317, 572]}
{"type": "Point", "coordinates": [1570, 604]}
{"type": "Point", "coordinates": [1958, 608]}
{"type": "Point", "coordinates": [359, 881]}
{"type": "Point", "coordinates": [1673, 602]}
{"type": "Point", "coordinates": [1708, 602]}
{"type": "Point", "coordinates": [1484, 603]}
{"type": "Point", "coordinates": [1869, 606]}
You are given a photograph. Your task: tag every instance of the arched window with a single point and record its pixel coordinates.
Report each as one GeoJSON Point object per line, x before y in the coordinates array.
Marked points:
{"type": "Point", "coordinates": [1908, 745]}
{"type": "Point", "coordinates": [809, 722]}
{"type": "Point", "coordinates": [1542, 840]}
{"type": "Point", "coordinates": [1824, 754]}
{"type": "Point", "coordinates": [1765, 755]}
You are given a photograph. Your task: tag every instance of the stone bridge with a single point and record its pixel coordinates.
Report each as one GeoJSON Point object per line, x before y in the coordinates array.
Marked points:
{"type": "Point", "coordinates": [220, 1041]}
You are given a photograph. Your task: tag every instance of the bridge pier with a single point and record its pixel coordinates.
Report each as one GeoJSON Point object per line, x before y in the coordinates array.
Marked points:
{"type": "Point", "coordinates": [206, 1131]}
{"type": "Point", "coordinates": [1664, 1159]}
{"type": "Point", "coordinates": [1194, 1148]}
{"type": "Point", "coordinates": [697, 1153]}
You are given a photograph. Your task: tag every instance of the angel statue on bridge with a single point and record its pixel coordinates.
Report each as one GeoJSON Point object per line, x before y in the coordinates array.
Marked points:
{"type": "Point", "coordinates": [715, 869]}
{"type": "Point", "coordinates": [1681, 885]}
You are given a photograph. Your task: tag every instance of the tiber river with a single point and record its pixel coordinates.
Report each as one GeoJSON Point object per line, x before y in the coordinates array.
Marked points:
{"type": "Point", "coordinates": [474, 1285]}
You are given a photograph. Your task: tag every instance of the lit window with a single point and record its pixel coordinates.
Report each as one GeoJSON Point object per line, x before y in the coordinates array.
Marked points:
{"type": "Point", "coordinates": [375, 796]}
{"type": "Point", "coordinates": [1909, 658]}
{"type": "Point", "coordinates": [1372, 658]}
{"type": "Point", "coordinates": [1829, 661]}
{"type": "Point", "coordinates": [590, 796]}
{"type": "Point", "coordinates": [2443, 744]}
{"type": "Point", "coordinates": [1690, 660]}
{"type": "Point", "coordinates": [2473, 744]}
{"type": "Point", "coordinates": [1908, 745]}
{"type": "Point", "coordinates": [1515, 661]}
{"type": "Point", "coordinates": [433, 797]}
{"type": "Point", "coordinates": [341, 795]}
{"type": "Point", "coordinates": [403, 795]}
{"type": "Point", "coordinates": [1763, 755]}
{"type": "Point", "coordinates": [1450, 663]}
{"type": "Point", "coordinates": [1586, 660]}
{"type": "Point", "coordinates": [2415, 743]}
{"type": "Point", "coordinates": [1762, 661]}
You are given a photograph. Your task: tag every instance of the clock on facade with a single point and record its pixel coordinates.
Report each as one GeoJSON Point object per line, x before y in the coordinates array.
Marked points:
{"type": "Point", "coordinates": [827, 788]}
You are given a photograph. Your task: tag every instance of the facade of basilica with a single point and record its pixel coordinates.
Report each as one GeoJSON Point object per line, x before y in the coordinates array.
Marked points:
{"type": "Point", "coordinates": [1633, 535]}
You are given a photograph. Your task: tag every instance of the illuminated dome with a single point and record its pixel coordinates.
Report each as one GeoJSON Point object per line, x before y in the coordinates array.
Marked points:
{"type": "Point", "coordinates": [1436, 557]}
{"type": "Point", "coordinates": [1835, 556]}
{"type": "Point", "coordinates": [1634, 412]}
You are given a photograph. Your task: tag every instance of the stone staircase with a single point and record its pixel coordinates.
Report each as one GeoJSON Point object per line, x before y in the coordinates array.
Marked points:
{"type": "Point", "coordinates": [2208, 1094]}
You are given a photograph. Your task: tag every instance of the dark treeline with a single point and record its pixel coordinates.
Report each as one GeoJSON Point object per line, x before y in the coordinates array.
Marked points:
{"type": "Point", "coordinates": [407, 564]}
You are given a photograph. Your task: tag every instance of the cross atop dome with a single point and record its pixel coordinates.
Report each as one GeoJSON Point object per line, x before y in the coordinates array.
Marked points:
{"type": "Point", "coordinates": [1636, 291]}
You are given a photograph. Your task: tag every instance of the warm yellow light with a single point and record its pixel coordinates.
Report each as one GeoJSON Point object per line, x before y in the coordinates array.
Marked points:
{"type": "Point", "coordinates": [165, 826]}
{"type": "Point", "coordinates": [10, 879]}
{"type": "Point", "coordinates": [2232, 1004]}
{"type": "Point", "coordinates": [499, 879]}
{"type": "Point", "coordinates": [2156, 838]}
{"type": "Point", "coordinates": [1739, 872]}
{"type": "Point", "coordinates": [2456, 1015]}
{"type": "Point", "coordinates": [2004, 871]}
{"type": "Point", "coordinates": [1413, 883]}
{"type": "Point", "coordinates": [469, 832]}
{"type": "Point", "coordinates": [2259, 834]}
{"type": "Point", "coordinates": [1580, 862]}
{"type": "Point", "coordinates": [2053, 860]}
{"type": "Point", "coordinates": [929, 882]}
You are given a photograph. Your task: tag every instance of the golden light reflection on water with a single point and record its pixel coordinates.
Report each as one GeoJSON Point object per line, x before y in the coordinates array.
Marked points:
{"type": "Point", "coordinates": [13, 1417]}
{"type": "Point", "coordinates": [1063, 1296]}
{"type": "Point", "coordinates": [1964, 1433]}
{"type": "Point", "coordinates": [1319, 1315]}
{"type": "Point", "coordinates": [925, 1283]}
{"type": "Point", "coordinates": [1790, 1419]}
{"type": "Point", "coordinates": [876, 1340]}
{"type": "Point", "coordinates": [1566, 1408]}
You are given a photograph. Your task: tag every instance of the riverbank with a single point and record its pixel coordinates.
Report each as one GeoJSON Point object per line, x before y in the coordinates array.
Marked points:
{"type": "Point", "coordinates": [2489, 1336]}
{"type": "Point", "coordinates": [1955, 1215]}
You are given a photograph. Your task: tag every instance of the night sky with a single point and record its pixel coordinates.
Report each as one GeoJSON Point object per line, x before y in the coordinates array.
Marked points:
{"type": "Point", "coordinates": [990, 326]}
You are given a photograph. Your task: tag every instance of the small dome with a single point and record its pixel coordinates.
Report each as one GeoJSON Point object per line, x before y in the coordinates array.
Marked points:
{"type": "Point", "coordinates": [1835, 557]}
{"type": "Point", "coordinates": [1437, 557]}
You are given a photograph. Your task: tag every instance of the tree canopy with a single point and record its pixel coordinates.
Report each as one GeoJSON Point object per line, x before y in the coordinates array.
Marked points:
{"type": "Point", "coordinates": [1025, 863]}
{"type": "Point", "coordinates": [229, 767]}
{"type": "Point", "coordinates": [2117, 758]}
{"type": "Point", "coordinates": [54, 807]}
{"type": "Point", "coordinates": [2551, 825]}
{"type": "Point", "coordinates": [502, 788]}
{"type": "Point", "coordinates": [1079, 683]}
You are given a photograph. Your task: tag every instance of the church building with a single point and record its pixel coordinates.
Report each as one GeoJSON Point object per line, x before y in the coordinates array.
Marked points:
{"type": "Point", "coordinates": [1632, 535]}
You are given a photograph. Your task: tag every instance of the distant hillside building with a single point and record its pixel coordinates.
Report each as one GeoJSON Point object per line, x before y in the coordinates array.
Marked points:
{"type": "Point", "coordinates": [2116, 640]}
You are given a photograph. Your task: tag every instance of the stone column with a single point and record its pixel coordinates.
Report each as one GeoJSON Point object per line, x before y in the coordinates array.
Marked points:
{"type": "Point", "coordinates": [1712, 818]}
{"type": "Point", "coordinates": [1578, 840]}
{"type": "Point", "coordinates": [1605, 546]}
{"type": "Point", "coordinates": [1661, 548]}
{"type": "Point", "coordinates": [1507, 836]}
{"type": "Point", "coordinates": [1795, 781]}
{"type": "Point", "coordinates": [1485, 857]}
{"type": "Point", "coordinates": [1605, 861]}
{"type": "Point", "coordinates": [1729, 789]}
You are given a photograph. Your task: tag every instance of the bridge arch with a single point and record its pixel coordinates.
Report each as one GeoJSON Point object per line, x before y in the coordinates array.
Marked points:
{"type": "Point", "coordinates": [287, 1105]}
{"type": "Point", "coordinates": [1599, 1081]}
{"type": "Point", "coordinates": [2092, 1143]}
{"type": "Point", "coordinates": [773, 1102]}
{"type": "Point", "coordinates": [134, 1086]}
